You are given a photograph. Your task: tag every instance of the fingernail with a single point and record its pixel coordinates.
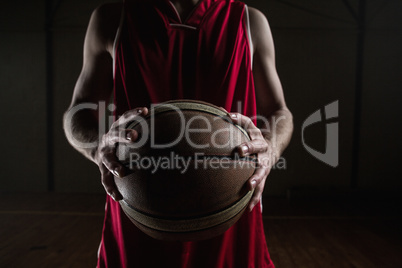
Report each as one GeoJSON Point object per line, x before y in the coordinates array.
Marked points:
{"type": "Point", "coordinates": [128, 136]}
{"type": "Point", "coordinates": [244, 149]}
{"type": "Point", "coordinates": [234, 116]}
{"type": "Point", "coordinates": [116, 172]}
{"type": "Point", "coordinates": [253, 184]}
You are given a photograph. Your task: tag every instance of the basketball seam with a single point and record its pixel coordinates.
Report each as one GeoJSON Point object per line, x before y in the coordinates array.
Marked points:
{"type": "Point", "coordinates": [181, 106]}
{"type": "Point", "coordinates": [187, 225]}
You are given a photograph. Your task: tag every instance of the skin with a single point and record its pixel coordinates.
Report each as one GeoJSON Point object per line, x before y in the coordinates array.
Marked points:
{"type": "Point", "coordinates": [95, 84]}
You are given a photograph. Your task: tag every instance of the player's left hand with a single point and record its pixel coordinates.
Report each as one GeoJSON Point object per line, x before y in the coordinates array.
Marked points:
{"type": "Point", "coordinates": [259, 146]}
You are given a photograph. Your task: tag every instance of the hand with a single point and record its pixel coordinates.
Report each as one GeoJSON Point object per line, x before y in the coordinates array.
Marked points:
{"type": "Point", "coordinates": [262, 148]}
{"type": "Point", "coordinates": [106, 158]}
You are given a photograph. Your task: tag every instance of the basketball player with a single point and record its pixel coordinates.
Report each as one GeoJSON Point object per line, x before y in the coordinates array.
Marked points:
{"type": "Point", "coordinates": [150, 51]}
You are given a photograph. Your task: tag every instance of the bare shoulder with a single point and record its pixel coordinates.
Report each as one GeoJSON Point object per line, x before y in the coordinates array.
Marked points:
{"type": "Point", "coordinates": [260, 30]}
{"type": "Point", "coordinates": [256, 15]}
{"type": "Point", "coordinates": [105, 20]}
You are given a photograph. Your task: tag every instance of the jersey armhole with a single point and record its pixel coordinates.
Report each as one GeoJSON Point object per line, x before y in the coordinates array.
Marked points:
{"type": "Point", "coordinates": [248, 30]}
{"type": "Point", "coordinates": [116, 40]}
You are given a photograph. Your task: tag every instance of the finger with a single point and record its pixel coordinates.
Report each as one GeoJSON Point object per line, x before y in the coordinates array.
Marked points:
{"type": "Point", "coordinates": [258, 186]}
{"type": "Point", "coordinates": [108, 183]}
{"type": "Point", "coordinates": [253, 147]}
{"type": "Point", "coordinates": [121, 136]}
{"type": "Point", "coordinates": [258, 177]}
{"type": "Point", "coordinates": [256, 197]}
{"type": "Point", "coordinates": [132, 115]}
{"type": "Point", "coordinates": [131, 135]}
{"type": "Point", "coordinates": [243, 121]}
{"type": "Point", "coordinates": [110, 161]}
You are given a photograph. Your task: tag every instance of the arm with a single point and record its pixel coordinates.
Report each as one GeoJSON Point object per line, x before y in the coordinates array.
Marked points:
{"type": "Point", "coordinates": [274, 132]}
{"type": "Point", "coordinates": [270, 98]}
{"type": "Point", "coordinates": [95, 85]}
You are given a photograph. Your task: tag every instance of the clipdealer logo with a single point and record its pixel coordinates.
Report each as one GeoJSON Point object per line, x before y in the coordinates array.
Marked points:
{"type": "Point", "coordinates": [331, 154]}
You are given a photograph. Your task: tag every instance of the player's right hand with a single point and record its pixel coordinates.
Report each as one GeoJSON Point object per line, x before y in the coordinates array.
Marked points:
{"type": "Point", "coordinates": [106, 158]}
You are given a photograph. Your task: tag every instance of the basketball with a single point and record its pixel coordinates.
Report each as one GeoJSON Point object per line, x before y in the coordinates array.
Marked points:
{"type": "Point", "coordinates": [185, 179]}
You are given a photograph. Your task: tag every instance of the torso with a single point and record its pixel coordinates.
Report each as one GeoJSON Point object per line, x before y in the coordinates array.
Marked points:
{"type": "Point", "coordinates": [167, 60]}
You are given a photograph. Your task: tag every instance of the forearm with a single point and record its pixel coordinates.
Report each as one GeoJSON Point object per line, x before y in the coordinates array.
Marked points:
{"type": "Point", "coordinates": [277, 130]}
{"type": "Point", "coordinates": [82, 132]}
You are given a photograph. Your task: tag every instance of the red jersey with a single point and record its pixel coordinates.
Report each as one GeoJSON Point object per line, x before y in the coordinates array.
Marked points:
{"type": "Point", "coordinates": [160, 57]}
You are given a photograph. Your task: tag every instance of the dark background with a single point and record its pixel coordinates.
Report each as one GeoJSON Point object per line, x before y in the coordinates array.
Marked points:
{"type": "Point", "coordinates": [326, 51]}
